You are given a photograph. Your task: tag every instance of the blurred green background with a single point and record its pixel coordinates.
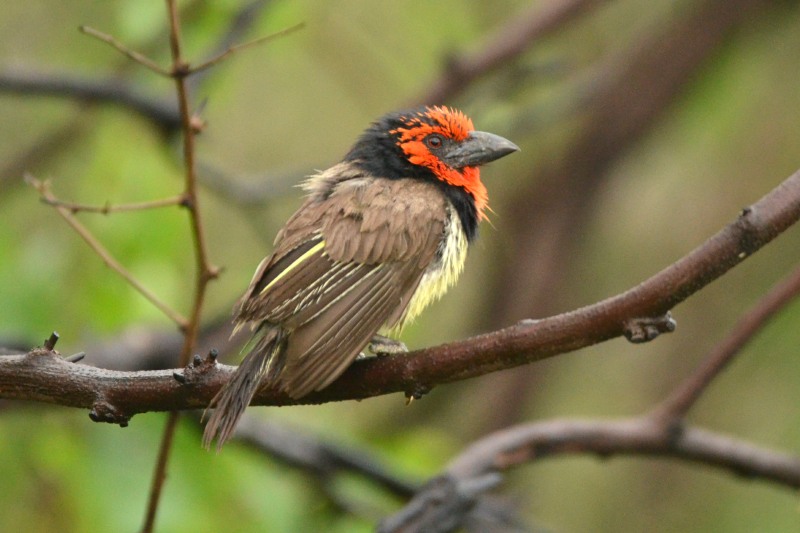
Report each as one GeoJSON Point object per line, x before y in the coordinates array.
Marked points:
{"type": "Point", "coordinates": [276, 112]}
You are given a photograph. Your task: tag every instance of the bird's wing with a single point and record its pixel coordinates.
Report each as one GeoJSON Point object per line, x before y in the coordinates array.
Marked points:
{"type": "Point", "coordinates": [345, 264]}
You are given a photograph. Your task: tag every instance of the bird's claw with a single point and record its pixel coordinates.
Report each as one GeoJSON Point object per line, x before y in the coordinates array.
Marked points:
{"type": "Point", "coordinates": [381, 346]}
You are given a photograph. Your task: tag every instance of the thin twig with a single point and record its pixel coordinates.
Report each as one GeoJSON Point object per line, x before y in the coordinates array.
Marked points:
{"type": "Point", "coordinates": [686, 394]}
{"type": "Point", "coordinates": [160, 471]}
{"type": "Point", "coordinates": [236, 31]}
{"type": "Point", "coordinates": [233, 49]}
{"type": "Point", "coordinates": [104, 254]}
{"type": "Point", "coordinates": [109, 208]}
{"type": "Point", "coordinates": [204, 272]}
{"type": "Point", "coordinates": [50, 342]}
{"type": "Point", "coordinates": [132, 54]}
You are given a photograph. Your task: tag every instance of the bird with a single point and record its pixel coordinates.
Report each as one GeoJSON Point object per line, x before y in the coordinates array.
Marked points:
{"type": "Point", "coordinates": [380, 235]}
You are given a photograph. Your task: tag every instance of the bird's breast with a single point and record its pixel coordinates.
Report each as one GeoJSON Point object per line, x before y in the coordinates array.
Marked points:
{"type": "Point", "coordinates": [443, 272]}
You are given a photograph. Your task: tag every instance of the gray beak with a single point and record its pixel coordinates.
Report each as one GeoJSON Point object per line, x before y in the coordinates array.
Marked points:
{"type": "Point", "coordinates": [478, 149]}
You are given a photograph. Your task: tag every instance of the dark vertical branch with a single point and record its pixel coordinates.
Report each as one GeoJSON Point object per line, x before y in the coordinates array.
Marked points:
{"type": "Point", "coordinates": [204, 272]}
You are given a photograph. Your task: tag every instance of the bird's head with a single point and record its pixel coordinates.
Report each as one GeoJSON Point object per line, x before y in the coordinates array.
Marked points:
{"type": "Point", "coordinates": [431, 143]}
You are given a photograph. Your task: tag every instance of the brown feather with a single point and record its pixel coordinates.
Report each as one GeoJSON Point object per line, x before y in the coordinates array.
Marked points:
{"type": "Point", "coordinates": [321, 349]}
{"type": "Point", "coordinates": [326, 303]}
{"type": "Point", "coordinates": [262, 360]}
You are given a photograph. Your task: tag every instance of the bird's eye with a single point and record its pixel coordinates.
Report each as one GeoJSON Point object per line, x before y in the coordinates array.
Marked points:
{"type": "Point", "coordinates": [434, 141]}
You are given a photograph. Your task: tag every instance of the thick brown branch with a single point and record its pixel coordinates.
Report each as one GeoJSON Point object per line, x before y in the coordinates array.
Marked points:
{"type": "Point", "coordinates": [48, 379]}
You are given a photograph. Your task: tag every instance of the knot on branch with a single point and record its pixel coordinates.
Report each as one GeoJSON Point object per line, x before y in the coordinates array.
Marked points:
{"type": "Point", "coordinates": [645, 329]}
{"type": "Point", "coordinates": [750, 238]}
{"type": "Point", "coordinates": [103, 411]}
{"type": "Point", "coordinates": [197, 368]}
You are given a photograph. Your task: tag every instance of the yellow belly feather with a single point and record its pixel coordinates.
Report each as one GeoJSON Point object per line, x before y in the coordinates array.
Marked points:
{"type": "Point", "coordinates": [441, 275]}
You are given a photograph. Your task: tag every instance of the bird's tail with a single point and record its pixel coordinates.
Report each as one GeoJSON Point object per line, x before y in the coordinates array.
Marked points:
{"type": "Point", "coordinates": [263, 360]}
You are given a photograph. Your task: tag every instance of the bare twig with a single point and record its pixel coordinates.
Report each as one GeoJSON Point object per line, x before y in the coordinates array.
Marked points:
{"type": "Point", "coordinates": [50, 343]}
{"type": "Point", "coordinates": [684, 396]}
{"type": "Point", "coordinates": [132, 54]}
{"type": "Point", "coordinates": [109, 208]}
{"type": "Point", "coordinates": [160, 472]}
{"type": "Point", "coordinates": [205, 272]}
{"type": "Point", "coordinates": [233, 49]}
{"type": "Point", "coordinates": [104, 254]}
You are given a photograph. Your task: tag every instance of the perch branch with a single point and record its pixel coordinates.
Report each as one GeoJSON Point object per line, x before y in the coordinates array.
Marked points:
{"type": "Point", "coordinates": [418, 371]}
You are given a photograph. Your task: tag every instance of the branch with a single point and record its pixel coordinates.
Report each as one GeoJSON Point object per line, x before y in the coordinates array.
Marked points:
{"type": "Point", "coordinates": [120, 395]}
{"type": "Point", "coordinates": [484, 459]}
{"type": "Point", "coordinates": [239, 47]}
{"type": "Point", "coordinates": [135, 56]}
{"type": "Point", "coordinates": [318, 457]}
{"type": "Point", "coordinates": [106, 256]}
{"type": "Point", "coordinates": [108, 208]}
{"type": "Point", "coordinates": [324, 461]}
{"type": "Point", "coordinates": [161, 112]}
{"type": "Point", "coordinates": [631, 91]}
{"type": "Point", "coordinates": [204, 271]}
{"type": "Point", "coordinates": [685, 395]}
{"type": "Point", "coordinates": [510, 41]}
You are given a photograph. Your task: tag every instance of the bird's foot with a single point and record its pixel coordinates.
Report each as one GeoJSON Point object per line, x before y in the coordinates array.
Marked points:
{"type": "Point", "coordinates": [381, 345]}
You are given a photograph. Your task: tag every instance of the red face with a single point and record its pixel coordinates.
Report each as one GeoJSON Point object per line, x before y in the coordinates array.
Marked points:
{"type": "Point", "coordinates": [432, 132]}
